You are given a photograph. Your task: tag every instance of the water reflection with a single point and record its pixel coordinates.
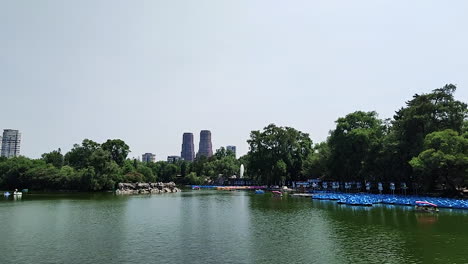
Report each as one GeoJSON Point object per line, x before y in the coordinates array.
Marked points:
{"type": "Point", "coordinates": [426, 219]}
{"type": "Point", "coordinates": [54, 230]}
{"type": "Point", "coordinates": [223, 227]}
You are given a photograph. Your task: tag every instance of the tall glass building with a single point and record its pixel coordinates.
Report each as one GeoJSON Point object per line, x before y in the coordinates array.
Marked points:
{"type": "Point", "coordinates": [188, 150]}
{"type": "Point", "coordinates": [11, 143]}
{"type": "Point", "coordinates": [205, 148]}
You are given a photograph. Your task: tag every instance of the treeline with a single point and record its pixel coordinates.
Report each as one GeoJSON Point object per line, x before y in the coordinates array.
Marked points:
{"type": "Point", "coordinates": [425, 145]}
{"type": "Point", "coordinates": [91, 166]}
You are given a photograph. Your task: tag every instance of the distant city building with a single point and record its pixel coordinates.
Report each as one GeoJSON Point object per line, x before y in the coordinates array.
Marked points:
{"type": "Point", "coordinates": [232, 148]}
{"type": "Point", "coordinates": [173, 159]}
{"type": "Point", "coordinates": [148, 157]}
{"type": "Point", "coordinates": [1, 145]}
{"type": "Point", "coordinates": [205, 148]}
{"type": "Point", "coordinates": [11, 143]}
{"type": "Point", "coordinates": [188, 149]}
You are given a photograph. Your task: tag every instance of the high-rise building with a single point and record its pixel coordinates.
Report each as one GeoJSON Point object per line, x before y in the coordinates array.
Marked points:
{"type": "Point", "coordinates": [148, 157]}
{"type": "Point", "coordinates": [11, 143]}
{"type": "Point", "coordinates": [232, 148]}
{"type": "Point", "coordinates": [205, 148]}
{"type": "Point", "coordinates": [188, 150]}
{"type": "Point", "coordinates": [173, 159]}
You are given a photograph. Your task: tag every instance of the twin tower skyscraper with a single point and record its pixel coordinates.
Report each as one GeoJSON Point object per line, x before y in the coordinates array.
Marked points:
{"type": "Point", "coordinates": [205, 147]}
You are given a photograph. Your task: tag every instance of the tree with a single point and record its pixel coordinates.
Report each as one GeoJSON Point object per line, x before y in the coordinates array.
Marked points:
{"type": "Point", "coordinates": [169, 172]}
{"type": "Point", "coordinates": [222, 152]}
{"type": "Point", "coordinates": [147, 173]}
{"type": "Point", "coordinates": [226, 166]}
{"type": "Point", "coordinates": [78, 157]}
{"type": "Point", "coordinates": [184, 168]}
{"type": "Point", "coordinates": [13, 172]}
{"type": "Point", "coordinates": [55, 158]}
{"type": "Point", "coordinates": [134, 177]}
{"type": "Point", "coordinates": [192, 178]}
{"type": "Point", "coordinates": [353, 145]}
{"type": "Point", "coordinates": [107, 173]}
{"type": "Point", "coordinates": [118, 150]}
{"type": "Point", "coordinates": [70, 179]}
{"type": "Point", "coordinates": [278, 150]}
{"type": "Point", "coordinates": [444, 160]}
{"type": "Point", "coordinates": [424, 114]}
{"type": "Point", "coordinates": [43, 177]}
{"type": "Point", "coordinates": [316, 164]}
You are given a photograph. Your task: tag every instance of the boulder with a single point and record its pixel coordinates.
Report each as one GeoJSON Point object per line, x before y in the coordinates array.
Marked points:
{"type": "Point", "coordinates": [142, 185]}
{"type": "Point", "coordinates": [146, 188]}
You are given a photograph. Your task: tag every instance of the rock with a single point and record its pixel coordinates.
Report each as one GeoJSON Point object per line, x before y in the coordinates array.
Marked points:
{"type": "Point", "coordinates": [146, 188]}
{"type": "Point", "coordinates": [142, 185]}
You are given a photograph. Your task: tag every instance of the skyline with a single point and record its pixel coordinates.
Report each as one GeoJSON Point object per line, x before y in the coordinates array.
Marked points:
{"type": "Point", "coordinates": [147, 72]}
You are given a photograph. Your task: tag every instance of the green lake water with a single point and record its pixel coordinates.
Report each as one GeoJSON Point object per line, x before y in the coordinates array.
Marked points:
{"type": "Point", "coordinates": [222, 227]}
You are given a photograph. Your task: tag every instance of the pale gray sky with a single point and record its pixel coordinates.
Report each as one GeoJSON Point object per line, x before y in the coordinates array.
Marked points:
{"type": "Point", "coordinates": [147, 71]}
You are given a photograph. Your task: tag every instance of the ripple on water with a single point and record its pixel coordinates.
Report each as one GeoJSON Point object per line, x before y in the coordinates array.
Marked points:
{"type": "Point", "coordinates": [223, 227]}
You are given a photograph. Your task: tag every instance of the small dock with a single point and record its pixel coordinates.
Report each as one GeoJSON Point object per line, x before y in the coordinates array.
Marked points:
{"type": "Point", "coordinates": [302, 194]}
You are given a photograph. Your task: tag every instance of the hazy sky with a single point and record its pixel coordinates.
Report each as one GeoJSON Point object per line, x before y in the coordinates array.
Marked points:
{"type": "Point", "coordinates": [147, 71]}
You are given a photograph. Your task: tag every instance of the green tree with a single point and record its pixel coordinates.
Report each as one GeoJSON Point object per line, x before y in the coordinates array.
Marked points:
{"type": "Point", "coordinates": [316, 164]}
{"type": "Point", "coordinates": [184, 168]}
{"type": "Point", "coordinates": [274, 147]}
{"type": "Point", "coordinates": [444, 160]}
{"type": "Point", "coordinates": [134, 177]}
{"type": "Point", "coordinates": [424, 114]}
{"type": "Point", "coordinates": [222, 152]}
{"type": "Point", "coordinates": [43, 177]}
{"type": "Point", "coordinates": [78, 157]}
{"type": "Point", "coordinates": [146, 172]}
{"type": "Point", "coordinates": [13, 172]}
{"type": "Point", "coordinates": [70, 179]}
{"type": "Point", "coordinates": [55, 158]}
{"type": "Point", "coordinates": [354, 144]}
{"type": "Point", "coordinates": [193, 179]}
{"type": "Point", "coordinates": [118, 150]}
{"type": "Point", "coordinates": [227, 166]}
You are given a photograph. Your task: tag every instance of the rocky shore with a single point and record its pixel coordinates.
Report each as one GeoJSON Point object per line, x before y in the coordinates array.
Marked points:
{"type": "Point", "coordinates": [146, 188]}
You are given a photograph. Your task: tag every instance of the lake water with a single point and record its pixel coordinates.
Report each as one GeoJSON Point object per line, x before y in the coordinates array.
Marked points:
{"type": "Point", "coordinates": [223, 227]}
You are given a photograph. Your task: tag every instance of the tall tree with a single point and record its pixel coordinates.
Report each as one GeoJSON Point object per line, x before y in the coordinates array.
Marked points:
{"type": "Point", "coordinates": [55, 158]}
{"type": "Point", "coordinates": [78, 157]}
{"type": "Point", "coordinates": [353, 144]}
{"type": "Point", "coordinates": [277, 154]}
{"type": "Point", "coordinates": [118, 150]}
{"type": "Point", "coordinates": [444, 160]}
{"type": "Point", "coordinates": [424, 114]}
{"type": "Point", "coordinates": [316, 164]}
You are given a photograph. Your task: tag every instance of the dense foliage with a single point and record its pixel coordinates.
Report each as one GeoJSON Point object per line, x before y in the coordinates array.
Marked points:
{"type": "Point", "coordinates": [277, 154]}
{"type": "Point", "coordinates": [424, 145]}
{"type": "Point", "coordinates": [91, 166]}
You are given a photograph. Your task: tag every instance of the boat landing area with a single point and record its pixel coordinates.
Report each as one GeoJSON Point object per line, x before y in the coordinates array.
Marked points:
{"type": "Point", "coordinates": [302, 194]}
